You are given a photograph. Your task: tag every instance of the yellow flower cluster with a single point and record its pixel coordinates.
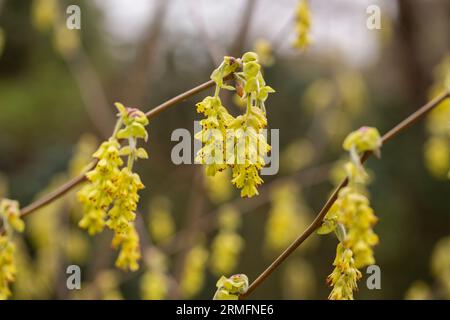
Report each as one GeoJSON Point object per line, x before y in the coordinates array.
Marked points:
{"type": "Point", "coordinates": [38, 259]}
{"type": "Point", "coordinates": [7, 266]}
{"type": "Point", "coordinates": [437, 148]}
{"type": "Point", "coordinates": [250, 143]}
{"type": "Point", "coordinates": [264, 50]}
{"type": "Point", "coordinates": [213, 134]}
{"type": "Point", "coordinates": [111, 197]}
{"type": "Point", "coordinates": [352, 218]}
{"type": "Point", "coordinates": [126, 198]}
{"type": "Point", "coordinates": [218, 187]}
{"type": "Point", "coordinates": [344, 276]}
{"type": "Point", "coordinates": [193, 276]}
{"type": "Point", "coordinates": [155, 282]}
{"type": "Point", "coordinates": [10, 218]}
{"type": "Point", "coordinates": [339, 99]}
{"type": "Point", "coordinates": [302, 24]}
{"type": "Point", "coordinates": [287, 215]}
{"type": "Point", "coordinates": [440, 265]}
{"type": "Point", "coordinates": [354, 212]}
{"type": "Point", "coordinates": [129, 254]}
{"type": "Point", "coordinates": [105, 286]}
{"type": "Point", "coordinates": [10, 214]}
{"type": "Point", "coordinates": [227, 244]}
{"type": "Point", "coordinates": [98, 195]}
{"type": "Point", "coordinates": [245, 149]}
{"type": "Point", "coordinates": [231, 288]}
{"type": "Point", "coordinates": [47, 16]}
{"type": "Point", "coordinates": [161, 224]}
{"type": "Point", "coordinates": [299, 279]}
{"type": "Point", "coordinates": [418, 290]}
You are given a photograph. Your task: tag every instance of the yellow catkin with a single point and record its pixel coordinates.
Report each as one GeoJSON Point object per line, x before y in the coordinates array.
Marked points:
{"type": "Point", "coordinates": [11, 221]}
{"type": "Point", "coordinates": [239, 142]}
{"type": "Point", "coordinates": [111, 196]}
{"type": "Point", "coordinates": [227, 244]}
{"type": "Point", "coordinates": [352, 218]}
{"type": "Point", "coordinates": [193, 275]}
{"type": "Point", "coordinates": [437, 147]}
{"type": "Point", "coordinates": [302, 25]}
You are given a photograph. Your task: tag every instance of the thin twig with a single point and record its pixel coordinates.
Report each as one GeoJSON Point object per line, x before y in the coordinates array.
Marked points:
{"type": "Point", "coordinates": [55, 194]}
{"type": "Point", "coordinates": [82, 177]}
{"type": "Point", "coordinates": [207, 222]}
{"type": "Point", "coordinates": [91, 91]}
{"type": "Point", "coordinates": [421, 112]}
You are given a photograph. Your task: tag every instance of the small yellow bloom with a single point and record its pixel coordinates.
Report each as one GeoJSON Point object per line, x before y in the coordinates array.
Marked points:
{"type": "Point", "coordinates": [7, 266]}
{"type": "Point", "coordinates": [10, 217]}
{"type": "Point", "coordinates": [363, 139]}
{"type": "Point", "coordinates": [10, 212]}
{"type": "Point", "coordinates": [302, 24]}
{"type": "Point", "coordinates": [129, 254]}
{"type": "Point", "coordinates": [231, 288]}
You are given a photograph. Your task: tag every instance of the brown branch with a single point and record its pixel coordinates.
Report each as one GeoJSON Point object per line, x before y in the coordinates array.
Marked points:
{"type": "Point", "coordinates": [181, 97]}
{"type": "Point", "coordinates": [421, 112]}
{"type": "Point", "coordinates": [81, 178]}
{"type": "Point", "coordinates": [207, 222]}
{"type": "Point", "coordinates": [91, 91]}
{"type": "Point", "coordinates": [55, 194]}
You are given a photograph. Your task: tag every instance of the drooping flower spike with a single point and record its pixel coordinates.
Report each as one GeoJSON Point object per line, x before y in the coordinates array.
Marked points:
{"type": "Point", "coordinates": [238, 143]}
{"type": "Point", "coordinates": [111, 196]}
{"type": "Point", "coordinates": [11, 221]}
{"type": "Point", "coordinates": [352, 218]}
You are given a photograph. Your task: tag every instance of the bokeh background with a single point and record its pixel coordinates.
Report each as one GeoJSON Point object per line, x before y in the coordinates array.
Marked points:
{"type": "Point", "coordinates": [58, 86]}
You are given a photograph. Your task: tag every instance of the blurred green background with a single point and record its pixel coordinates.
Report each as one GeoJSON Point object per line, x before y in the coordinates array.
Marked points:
{"type": "Point", "coordinates": [57, 85]}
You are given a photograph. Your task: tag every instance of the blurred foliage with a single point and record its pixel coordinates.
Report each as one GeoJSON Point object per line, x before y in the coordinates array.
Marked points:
{"type": "Point", "coordinates": [48, 136]}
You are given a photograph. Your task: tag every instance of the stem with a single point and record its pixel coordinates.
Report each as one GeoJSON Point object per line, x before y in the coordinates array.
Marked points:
{"type": "Point", "coordinates": [132, 144]}
{"type": "Point", "coordinates": [249, 105]}
{"type": "Point", "coordinates": [217, 91]}
{"type": "Point", "coordinates": [406, 123]}
{"type": "Point", "coordinates": [56, 194]}
{"type": "Point", "coordinates": [117, 127]}
{"type": "Point", "coordinates": [181, 97]}
{"type": "Point", "coordinates": [82, 177]}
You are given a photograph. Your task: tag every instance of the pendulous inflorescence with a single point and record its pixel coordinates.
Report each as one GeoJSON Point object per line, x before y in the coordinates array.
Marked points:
{"type": "Point", "coordinates": [302, 25]}
{"type": "Point", "coordinates": [231, 288]}
{"type": "Point", "coordinates": [352, 218]}
{"type": "Point", "coordinates": [238, 143]}
{"type": "Point", "coordinates": [228, 243]}
{"type": "Point", "coordinates": [11, 221]}
{"type": "Point", "coordinates": [111, 196]}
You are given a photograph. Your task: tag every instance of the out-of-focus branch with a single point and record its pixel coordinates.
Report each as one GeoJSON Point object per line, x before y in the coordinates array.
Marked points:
{"type": "Point", "coordinates": [215, 51]}
{"type": "Point", "coordinates": [241, 35]}
{"type": "Point", "coordinates": [403, 125]}
{"type": "Point", "coordinates": [81, 178]}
